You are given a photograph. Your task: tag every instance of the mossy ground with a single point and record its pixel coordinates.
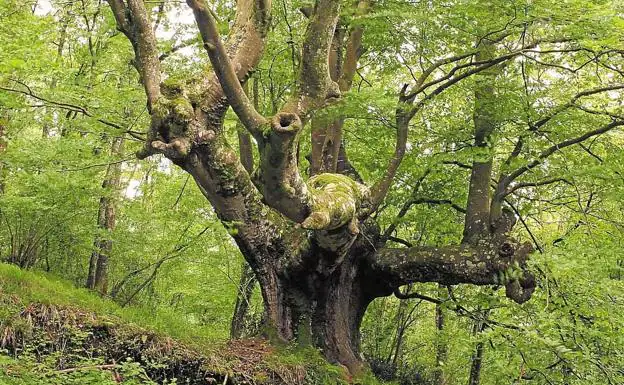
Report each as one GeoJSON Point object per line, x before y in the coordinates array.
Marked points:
{"type": "Point", "coordinates": [54, 333]}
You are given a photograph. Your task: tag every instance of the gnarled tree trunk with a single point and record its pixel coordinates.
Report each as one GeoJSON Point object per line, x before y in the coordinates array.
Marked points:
{"type": "Point", "coordinates": [441, 346]}
{"type": "Point", "coordinates": [312, 244]}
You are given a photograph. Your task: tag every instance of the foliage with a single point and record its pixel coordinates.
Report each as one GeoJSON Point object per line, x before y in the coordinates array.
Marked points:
{"type": "Point", "coordinates": [69, 88]}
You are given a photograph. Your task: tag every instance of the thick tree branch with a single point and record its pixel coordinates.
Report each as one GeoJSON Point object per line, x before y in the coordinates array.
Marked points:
{"type": "Point", "coordinates": [119, 11]}
{"type": "Point", "coordinates": [485, 264]}
{"type": "Point", "coordinates": [192, 112]}
{"type": "Point", "coordinates": [224, 68]}
{"type": "Point", "coordinates": [327, 145]}
{"type": "Point", "coordinates": [133, 21]}
{"type": "Point", "coordinates": [353, 50]}
{"type": "Point", "coordinates": [245, 146]}
{"type": "Point", "coordinates": [245, 46]}
{"type": "Point", "coordinates": [327, 201]}
{"type": "Point", "coordinates": [315, 84]}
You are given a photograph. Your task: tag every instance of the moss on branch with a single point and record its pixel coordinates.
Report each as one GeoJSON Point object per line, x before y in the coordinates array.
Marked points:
{"type": "Point", "coordinates": [336, 199]}
{"type": "Point", "coordinates": [483, 264]}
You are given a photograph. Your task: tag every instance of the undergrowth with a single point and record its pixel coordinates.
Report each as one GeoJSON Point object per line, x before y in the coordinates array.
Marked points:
{"type": "Point", "coordinates": [34, 287]}
{"type": "Point", "coordinates": [54, 333]}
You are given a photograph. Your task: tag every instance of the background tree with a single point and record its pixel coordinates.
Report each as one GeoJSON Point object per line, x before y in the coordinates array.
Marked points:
{"type": "Point", "coordinates": [97, 277]}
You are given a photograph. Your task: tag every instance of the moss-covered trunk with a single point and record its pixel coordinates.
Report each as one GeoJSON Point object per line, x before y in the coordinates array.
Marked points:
{"type": "Point", "coordinates": [317, 255]}
{"type": "Point", "coordinates": [320, 304]}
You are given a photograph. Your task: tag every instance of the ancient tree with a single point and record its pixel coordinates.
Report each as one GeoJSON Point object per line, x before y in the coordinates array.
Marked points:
{"type": "Point", "coordinates": [312, 241]}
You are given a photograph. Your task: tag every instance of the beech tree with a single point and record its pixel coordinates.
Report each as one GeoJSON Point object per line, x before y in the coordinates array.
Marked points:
{"type": "Point", "coordinates": [313, 240]}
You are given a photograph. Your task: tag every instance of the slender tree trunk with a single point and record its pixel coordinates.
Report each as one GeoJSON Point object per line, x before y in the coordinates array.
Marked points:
{"type": "Point", "coordinates": [63, 34]}
{"type": "Point", "coordinates": [241, 308]}
{"type": "Point", "coordinates": [402, 315]}
{"type": "Point", "coordinates": [3, 146]}
{"type": "Point", "coordinates": [477, 357]}
{"type": "Point", "coordinates": [404, 319]}
{"type": "Point", "coordinates": [328, 153]}
{"type": "Point", "coordinates": [97, 278]}
{"type": "Point", "coordinates": [477, 221]}
{"type": "Point", "coordinates": [441, 345]}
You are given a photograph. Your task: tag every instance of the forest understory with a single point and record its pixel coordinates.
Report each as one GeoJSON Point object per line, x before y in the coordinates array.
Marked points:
{"type": "Point", "coordinates": [57, 342]}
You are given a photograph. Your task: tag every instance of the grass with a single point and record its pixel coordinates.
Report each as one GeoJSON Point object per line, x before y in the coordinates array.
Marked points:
{"type": "Point", "coordinates": [36, 287]}
{"type": "Point", "coordinates": [254, 360]}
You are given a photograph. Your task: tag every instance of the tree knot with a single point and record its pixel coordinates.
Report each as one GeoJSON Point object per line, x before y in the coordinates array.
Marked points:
{"type": "Point", "coordinates": [286, 122]}
{"type": "Point", "coordinates": [506, 250]}
{"type": "Point", "coordinates": [521, 289]}
{"type": "Point", "coordinates": [333, 92]}
{"type": "Point", "coordinates": [204, 136]}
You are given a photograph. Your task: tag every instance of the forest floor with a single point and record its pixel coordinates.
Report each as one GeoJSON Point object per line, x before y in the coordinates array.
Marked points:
{"type": "Point", "coordinates": [54, 333]}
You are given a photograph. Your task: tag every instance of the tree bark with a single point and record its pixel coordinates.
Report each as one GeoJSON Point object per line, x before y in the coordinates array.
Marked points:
{"type": "Point", "coordinates": [328, 152]}
{"type": "Point", "coordinates": [247, 280]}
{"type": "Point", "coordinates": [323, 307]}
{"type": "Point", "coordinates": [477, 221]}
{"type": "Point", "coordinates": [97, 278]}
